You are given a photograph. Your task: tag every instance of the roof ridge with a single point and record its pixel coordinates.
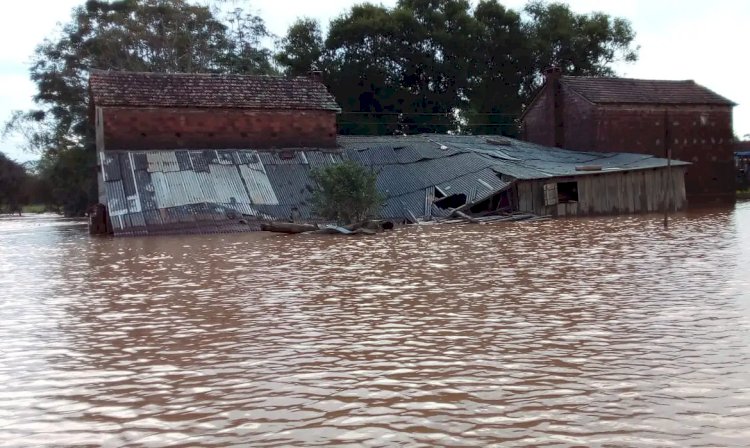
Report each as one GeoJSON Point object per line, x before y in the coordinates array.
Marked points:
{"type": "Point", "coordinates": [624, 78]}
{"type": "Point", "coordinates": [194, 74]}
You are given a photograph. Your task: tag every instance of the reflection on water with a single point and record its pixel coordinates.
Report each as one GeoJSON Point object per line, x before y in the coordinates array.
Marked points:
{"type": "Point", "coordinates": [607, 331]}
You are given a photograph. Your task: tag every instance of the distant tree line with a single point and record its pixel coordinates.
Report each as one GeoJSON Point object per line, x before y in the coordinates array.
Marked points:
{"type": "Point", "coordinates": [20, 185]}
{"type": "Point", "coordinates": [421, 66]}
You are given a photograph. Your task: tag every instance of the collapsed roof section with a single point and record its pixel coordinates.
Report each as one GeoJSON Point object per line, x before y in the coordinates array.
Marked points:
{"type": "Point", "coordinates": [157, 192]}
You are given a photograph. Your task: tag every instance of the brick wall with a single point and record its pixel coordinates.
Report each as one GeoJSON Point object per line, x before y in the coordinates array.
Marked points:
{"type": "Point", "coordinates": [701, 135]}
{"type": "Point", "coordinates": [539, 121]}
{"type": "Point", "coordinates": [577, 127]}
{"type": "Point", "coordinates": [160, 128]}
{"type": "Point", "coordinates": [578, 123]}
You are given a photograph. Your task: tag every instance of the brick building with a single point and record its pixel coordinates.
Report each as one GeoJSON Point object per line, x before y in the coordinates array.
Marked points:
{"type": "Point", "coordinates": [639, 116]}
{"type": "Point", "coordinates": [210, 111]}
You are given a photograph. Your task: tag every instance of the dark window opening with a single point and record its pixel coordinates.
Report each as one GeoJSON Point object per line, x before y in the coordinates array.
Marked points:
{"type": "Point", "coordinates": [177, 134]}
{"type": "Point", "coordinates": [143, 134]}
{"type": "Point", "coordinates": [243, 134]}
{"type": "Point", "coordinates": [567, 192]}
{"type": "Point", "coordinates": [210, 134]}
{"type": "Point", "coordinates": [452, 201]}
{"type": "Point", "coordinates": [496, 203]}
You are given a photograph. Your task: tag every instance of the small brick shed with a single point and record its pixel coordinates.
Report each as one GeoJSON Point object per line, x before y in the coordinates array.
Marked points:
{"type": "Point", "coordinates": [640, 116]}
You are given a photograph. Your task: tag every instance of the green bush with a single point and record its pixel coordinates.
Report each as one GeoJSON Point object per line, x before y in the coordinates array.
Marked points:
{"type": "Point", "coordinates": [346, 193]}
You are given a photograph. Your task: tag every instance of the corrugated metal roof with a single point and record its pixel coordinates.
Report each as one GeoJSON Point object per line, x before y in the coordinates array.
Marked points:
{"type": "Point", "coordinates": [230, 190]}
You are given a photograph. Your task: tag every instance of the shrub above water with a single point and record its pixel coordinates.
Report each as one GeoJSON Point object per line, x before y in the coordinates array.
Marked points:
{"type": "Point", "coordinates": [346, 193]}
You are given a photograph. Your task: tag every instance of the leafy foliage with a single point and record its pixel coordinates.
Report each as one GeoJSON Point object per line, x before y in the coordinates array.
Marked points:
{"type": "Point", "coordinates": [441, 65]}
{"type": "Point", "coordinates": [13, 182]}
{"type": "Point", "coordinates": [346, 193]}
{"type": "Point", "coordinates": [301, 48]}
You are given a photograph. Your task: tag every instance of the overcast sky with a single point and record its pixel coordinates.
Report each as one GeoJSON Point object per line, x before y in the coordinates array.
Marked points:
{"type": "Point", "coordinates": [679, 39]}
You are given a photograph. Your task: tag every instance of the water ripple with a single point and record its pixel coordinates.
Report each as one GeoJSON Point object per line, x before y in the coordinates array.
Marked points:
{"type": "Point", "coordinates": [606, 331]}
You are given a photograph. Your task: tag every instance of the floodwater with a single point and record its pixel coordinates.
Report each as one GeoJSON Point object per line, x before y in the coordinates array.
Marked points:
{"type": "Point", "coordinates": [604, 332]}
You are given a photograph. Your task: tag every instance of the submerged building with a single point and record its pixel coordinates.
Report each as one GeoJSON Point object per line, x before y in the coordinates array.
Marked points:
{"type": "Point", "coordinates": [655, 117]}
{"type": "Point", "coordinates": [217, 153]}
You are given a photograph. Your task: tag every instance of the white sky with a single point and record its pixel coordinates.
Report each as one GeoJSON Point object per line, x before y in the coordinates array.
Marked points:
{"type": "Point", "coordinates": [679, 39]}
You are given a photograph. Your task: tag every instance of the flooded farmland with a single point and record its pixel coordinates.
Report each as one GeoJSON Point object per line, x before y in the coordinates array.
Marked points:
{"type": "Point", "coordinates": [603, 331]}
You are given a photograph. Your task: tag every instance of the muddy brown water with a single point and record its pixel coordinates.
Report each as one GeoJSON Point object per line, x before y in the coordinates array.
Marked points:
{"type": "Point", "coordinates": [582, 332]}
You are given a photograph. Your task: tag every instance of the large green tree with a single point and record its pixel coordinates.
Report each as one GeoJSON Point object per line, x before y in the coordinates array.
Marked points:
{"type": "Point", "coordinates": [136, 35]}
{"type": "Point", "coordinates": [301, 48]}
{"type": "Point", "coordinates": [443, 65]}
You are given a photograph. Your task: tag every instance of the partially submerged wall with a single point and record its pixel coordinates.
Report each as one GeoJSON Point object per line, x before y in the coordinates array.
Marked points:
{"type": "Point", "coordinates": [638, 191]}
{"type": "Point", "coordinates": [701, 135]}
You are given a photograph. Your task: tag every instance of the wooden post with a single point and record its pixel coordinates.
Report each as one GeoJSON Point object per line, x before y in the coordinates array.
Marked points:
{"type": "Point", "coordinates": [668, 150]}
{"type": "Point", "coordinates": [668, 199]}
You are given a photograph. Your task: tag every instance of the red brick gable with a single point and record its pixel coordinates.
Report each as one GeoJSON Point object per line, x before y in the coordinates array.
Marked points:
{"type": "Point", "coordinates": [203, 90]}
{"type": "Point", "coordinates": [602, 90]}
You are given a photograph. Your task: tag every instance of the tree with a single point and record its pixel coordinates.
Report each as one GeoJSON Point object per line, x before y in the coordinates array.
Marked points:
{"type": "Point", "coordinates": [580, 44]}
{"type": "Point", "coordinates": [301, 48]}
{"type": "Point", "coordinates": [360, 68]}
{"type": "Point", "coordinates": [137, 35]}
{"type": "Point", "coordinates": [441, 65]}
{"type": "Point", "coordinates": [13, 184]}
{"type": "Point", "coordinates": [501, 62]}
{"type": "Point", "coordinates": [436, 62]}
{"type": "Point", "coordinates": [346, 193]}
